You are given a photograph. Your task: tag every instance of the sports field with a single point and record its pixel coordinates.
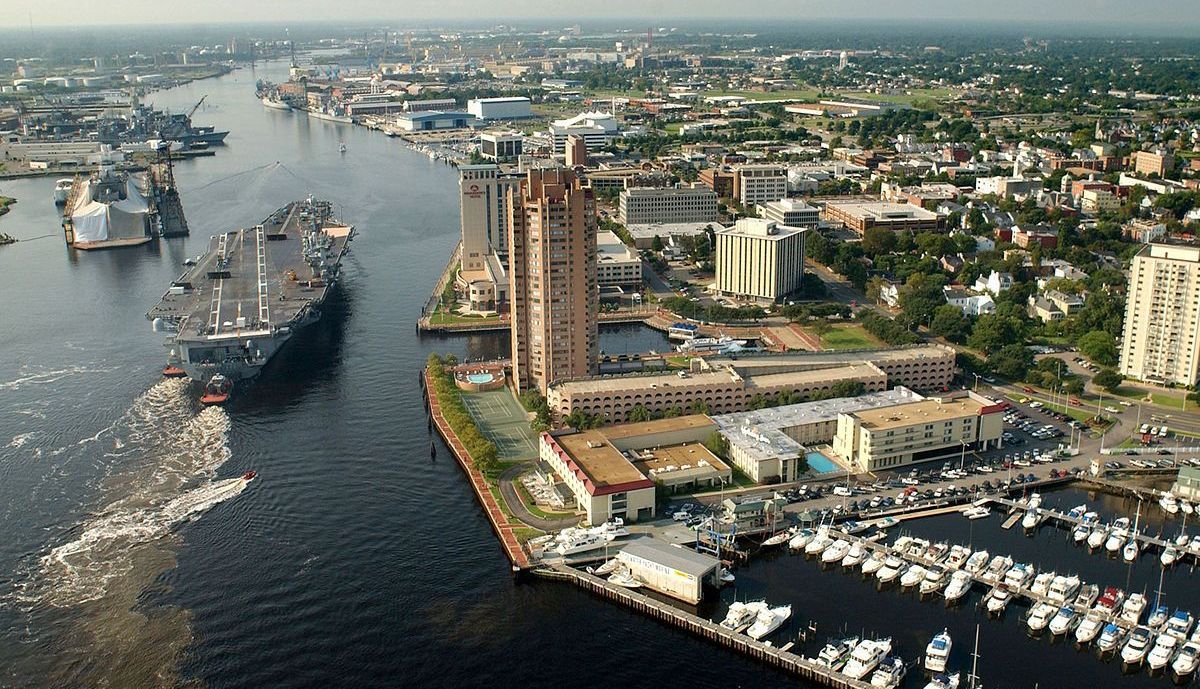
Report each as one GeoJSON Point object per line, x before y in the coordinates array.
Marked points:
{"type": "Point", "coordinates": [500, 417]}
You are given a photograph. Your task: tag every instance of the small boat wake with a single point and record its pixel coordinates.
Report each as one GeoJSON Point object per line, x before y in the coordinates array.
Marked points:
{"type": "Point", "coordinates": [169, 455]}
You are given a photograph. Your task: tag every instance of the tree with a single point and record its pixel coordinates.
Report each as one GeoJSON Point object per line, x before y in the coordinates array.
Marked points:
{"type": "Point", "coordinates": [1011, 361]}
{"type": "Point", "coordinates": [821, 328]}
{"type": "Point", "coordinates": [1108, 379]}
{"type": "Point", "coordinates": [638, 413]}
{"type": "Point", "coordinates": [879, 241]}
{"type": "Point", "coordinates": [1098, 346]}
{"type": "Point", "coordinates": [920, 296]}
{"type": "Point", "coordinates": [994, 332]}
{"type": "Point", "coordinates": [949, 322]}
{"type": "Point", "coordinates": [656, 244]}
{"type": "Point", "coordinates": [717, 444]}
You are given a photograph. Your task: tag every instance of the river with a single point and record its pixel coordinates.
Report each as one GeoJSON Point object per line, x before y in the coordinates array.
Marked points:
{"type": "Point", "coordinates": [353, 559]}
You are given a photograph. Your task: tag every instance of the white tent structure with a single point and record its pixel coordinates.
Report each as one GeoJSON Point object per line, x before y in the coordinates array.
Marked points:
{"type": "Point", "coordinates": [110, 210]}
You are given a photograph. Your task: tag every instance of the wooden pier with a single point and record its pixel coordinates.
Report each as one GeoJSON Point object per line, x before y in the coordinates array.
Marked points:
{"type": "Point", "coordinates": [668, 614]}
{"type": "Point", "coordinates": [1072, 522]}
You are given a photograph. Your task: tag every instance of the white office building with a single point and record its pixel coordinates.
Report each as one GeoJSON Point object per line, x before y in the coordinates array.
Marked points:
{"type": "Point", "coordinates": [758, 184]}
{"type": "Point", "coordinates": [504, 108]}
{"type": "Point", "coordinates": [596, 129]}
{"type": "Point", "coordinates": [616, 264]}
{"type": "Point", "coordinates": [646, 205]}
{"type": "Point", "coordinates": [791, 212]}
{"type": "Point", "coordinates": [759, 259]}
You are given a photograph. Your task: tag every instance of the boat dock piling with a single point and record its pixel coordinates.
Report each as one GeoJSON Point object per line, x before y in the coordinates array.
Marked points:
{"type": "Point", "coordinates": [781, 658]}
{"type": "Point", "coordinates": [1072, 522]}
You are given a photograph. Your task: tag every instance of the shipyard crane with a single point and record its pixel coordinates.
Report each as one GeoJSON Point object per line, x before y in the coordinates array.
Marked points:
{"type": "Point", "coordinates": [196, 106]}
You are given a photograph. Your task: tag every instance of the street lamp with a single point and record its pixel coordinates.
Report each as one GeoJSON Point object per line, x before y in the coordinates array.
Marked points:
{"type": "Point", "coordinates": [976, 381]}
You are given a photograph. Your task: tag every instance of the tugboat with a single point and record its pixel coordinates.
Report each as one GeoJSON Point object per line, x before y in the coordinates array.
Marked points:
{"type": "Point", "coordinates": [173, 371]}
{"type": "Point", "coordinates": [217, 390]}
{"type": "Point", "coordinates": [249, 475]}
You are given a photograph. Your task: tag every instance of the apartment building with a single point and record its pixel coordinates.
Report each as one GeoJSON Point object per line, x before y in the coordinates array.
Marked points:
{"type": "Point", "coordinates": [1161, 340]}
{"type": "Point", "coordinates": [755, 184]}
{"type": "Point", "coordinates": [1151, 163]}
{"type": "Point", "coordinates": [646, 205]}
{"type": "Point", "coordinates": [935, 428]}
{"type": "Point", "coordinates": [759, 259]}
{"type": "Point", "coordinates": [552, 279]}
{"type": "Point", "coordinates": [791, 212]}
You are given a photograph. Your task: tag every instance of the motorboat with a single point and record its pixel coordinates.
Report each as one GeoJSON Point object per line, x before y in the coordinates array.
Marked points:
{"type": "Point", "coordinates": [976, 512]}
{"type": "Point", "coordinates": [889, 674]}
{"type": "Point", "coordinates": [997, 599]}
{"type": "Point", "coordinates": [1088, 593]}
{"type": "Point", "coordinates": [1076, 512]}
{"type": "Point", "coordinates": [607, 568]}
{"type": "Point", "coordinates": [1064, 621]}
{"type": "Point", "coordinates": [1169, 503]}
{"type": "Point", "coordinates": [1169, 556]}
{"type": "Point", "coordinates": [936, 552]}
{"type": "Point", "coordinates": [935, 579]}
{"type": "Point", "coordinates": [1133, 653]}
{"type": "Point", "coordinates": [916, 548]}
{"type": "Point", "coordinates": [778, 538]}
{"type": "Point", "coordinates": [1089, 628]}
{"type": "Point", "coordinates": [62, 189]}
{"type": "Point", "coordinates": [768, 620]}
{"type": "Point", "coordinates": [1063, 588]}
{"type": "Point", "coordinates": [890, 569]}
{"type": "Point", "coordinates": [994, 573]}
{"type": "Point", "coordinates": [1032, 518]}
{"type": "Point", "coordinates": [901, 544]}
{"type": "Point", "coordinates": [1135, 605]}
{"type": "Point", "coordinates": [1035, 501]}
{"type": "Point", "coordinates": [742, 614]}
{"type": "Point", "coordinates": [1110, 601]}
{"type": "Point", "coordinates": [1081, 531]}
{"type": "Point", "coordinates": [943, 682]}
{"type": "Point", "coordinates": [836, 653]}
{"type": "Point", "coordinates": [1096, 538]}
{"type": "Point", "coordinates": [855, 556]}
{"type": "Point", "coordinates": [1188, 659]}
{"type": "Point", "coordinates": [1180, 624]}
{"type": "Point", "coordinates": [1041, 583]}
{"type": "Point", "coordinates": [867, 656]}
{"type": "Point", "coordinates": [1039, 617]}
{"type": "Point", "coordinates": [801, 539]}
{"type": "Point", "coordinates": [727, 577]}
{"type": "Point", "coordinates": [1186, 507]}
{"type": "Point", "coordinates": [1181, 541]}
{"type": "Point", "coordinates": [1130, 552]}
{"type": "Point", "coordinates": [912, 576]}
{"type": "Point", "coordinates": [1110, 638]}
{"type": "Point", "coordinates": [1163, 652]}
{"type": "Point", "coordinates": [836, 551]}
{"type": "Point", "coordinates": [873, 563]}
{"type": "Point", "coordinates": [937, 653]}
{"type": "Point", "coordinates": [960, 584]}
{"type": "Point", "coordinates": [976, 563]}
{"type": "Point", "coordinates": [1117, 535]}
{"type": "Point", "coordinates": [1158, 616]}
{"type": "Point", "coordinates": [957, 557]}
{"type": "Point", "coordinates": [626, 579]}
{"type": "Point", "coordinates": [819, 543]}
{"type": "Point", "coordinates": [1019, 576]}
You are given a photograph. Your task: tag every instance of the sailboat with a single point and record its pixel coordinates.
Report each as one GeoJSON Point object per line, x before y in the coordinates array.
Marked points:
{"type": "Point", "coordinates": [1130, 551]}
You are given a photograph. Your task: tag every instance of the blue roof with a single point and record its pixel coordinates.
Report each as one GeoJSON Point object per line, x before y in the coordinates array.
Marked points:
{"type": "Point", "coordinates": [685, 326]}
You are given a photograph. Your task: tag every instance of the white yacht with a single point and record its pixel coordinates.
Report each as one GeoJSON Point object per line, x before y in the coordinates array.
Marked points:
{"type": "Point", "coordinates": [960, 584]}
{"type": "Point", "coordinates": [1063, 589]}
{"type": "Point", "coordinates": [1188, 659]}
{"type": "Point", "coordinates": [889, 674]}
{"type": "Point", "coordinates": [1110, 638]}
{"type": "Point", "coordinates": [1186, 507]}
{"type": "Point", "coordinates": [996, 569]}
{"type": "Point", "coordinates": [1096, 538]}
{"type": "Point", "coordinates": [1110, 601]}
{"type": "Point", "coordinates": [626, 579]}
{"type": "Point", "coordinates": [1062, 623]}
{"type": "Point", "coordinates": [976, 512]}
{"type": "Point", "coordinates": [836, 653]}
{"type": "Point", "coordinates": [997, 599]}
{"type": "Point", "coordinates": [836, 551]}
{"type": "Point", "coordinates": [943, 682]}
{"type": "Point", "coordinates": [959, 554]}
{"type": "Point", "coordinates": [1163, 652]}
{"type": "Point", "coordinates": [937, 653]}
{"type": "Point", "coordinates": [1019, 576]}
{"type": "Point", "coordinates": [1089, 628]}
{"type": "Point", "coordinates": [1180, 624]}
{"type": "Point", "coordinates": [1039, 617]}
{"type": "Point", "coordinates": [935, 579]}
{"type": "Point", "coordinates": [1041, 583]}
{"type": "Point", "coordinates": [912, 576]}
{"type": "Point", "coordinates": [1169, 556]}
{"type": "Point", "coordinates": [1169, 503]}
{"type": "Point", "coordinates": [778, 538]}
{"type": "Point", "coordinates": [742, 614]}
{"type": "Point", "coordinates": [890, 569]}
{"type": "Point", "coordinates": [1081, 531]}
{"type": "Point", "coordinates": [873, 563]}
{"type": "Point", "coordinates": [976, 562]}
{"type": "Point", "coordinates": [1158, 616]}
{"type": "Point", "coordinates": [819, 543]}
{"type": "Point", "coordinates": [855, 556]}
{"type": "Point", "coordinates": [867, 656]}
{"type": "Point", "coordinates": [769, 620]}
{"type": "Point", "coordinates": [1117, 535]}
{"type": "Point", "coordinates": [1032, 518]}
{"type": "Point", "coordinates": [1130, 552]}
{"type": "Point", "coordinates": [801, 539]}
{"type": "Point", "coordinates": [62, 189]}
{"type": "Point", "coordinates": [607, 568]}
{"type": "Point", "coordinates": [1136, 648]}
{"type": "Point", "coordinates": [1088, 593]}
{"type": "Point", "coordinates": [1133, 608]}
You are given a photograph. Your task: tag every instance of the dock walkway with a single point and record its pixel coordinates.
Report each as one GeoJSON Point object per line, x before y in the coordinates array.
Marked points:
{"type": "Point", "coordinates": [1072, 522]}
{"type": "Point", "coordinates": [707, 629]}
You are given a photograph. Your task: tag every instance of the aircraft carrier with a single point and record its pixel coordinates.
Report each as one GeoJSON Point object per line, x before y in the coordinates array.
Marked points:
{"type": "Point", "coordinates": [231, 311]}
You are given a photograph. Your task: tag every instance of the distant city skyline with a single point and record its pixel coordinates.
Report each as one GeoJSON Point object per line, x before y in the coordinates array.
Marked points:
{"type": "Point", "coordinates": [1179, 14]}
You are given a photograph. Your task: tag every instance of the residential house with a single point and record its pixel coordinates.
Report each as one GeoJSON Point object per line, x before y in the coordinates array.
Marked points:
{"type": "Point", "coordinates": [994, 283]}
{"type": "Point", "coordinates": [969, 304]}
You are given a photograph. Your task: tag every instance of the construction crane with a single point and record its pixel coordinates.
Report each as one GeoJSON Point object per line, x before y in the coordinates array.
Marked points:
{"type": "Point", "coordinates": [196, 106]}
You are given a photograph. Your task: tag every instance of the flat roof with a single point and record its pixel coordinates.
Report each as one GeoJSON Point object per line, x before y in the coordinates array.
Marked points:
{"type": "Point", "coordinates": [682, 559]}
{"type": "Point", "coordinates": [678, 423]}
{"type": "Point", "coordinates": [680, 463]}
{"type": "Point", "coordinates": [925, 411]}
{"type": "Point", "coordinates": [662, 229]}
{"type": "Point", "coordinates": [813, 375]}
{"type": "Point", "coordinates": [595, 455]}
{"type": "Point", "coordinates": [884, 211]}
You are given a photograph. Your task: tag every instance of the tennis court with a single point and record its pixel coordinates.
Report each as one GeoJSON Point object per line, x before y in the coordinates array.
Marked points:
{"type": "Point", "coordinates": [502, 419]}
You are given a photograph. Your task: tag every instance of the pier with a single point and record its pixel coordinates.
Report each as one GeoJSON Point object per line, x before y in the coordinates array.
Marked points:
{"type": "Point", "coordinates": [1072, 522]}
{"type": "Point", "coordinates": [778, 657]}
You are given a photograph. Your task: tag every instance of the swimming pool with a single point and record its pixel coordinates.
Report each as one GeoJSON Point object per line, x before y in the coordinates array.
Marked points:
{"type": "Point", "coordinates": [820, 464]}
{"type": "Point", "coordinates": [480, 378]}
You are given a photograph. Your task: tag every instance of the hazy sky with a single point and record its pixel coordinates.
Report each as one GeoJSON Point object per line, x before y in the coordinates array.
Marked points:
{"type": "Point", "coordinates": [17, 13]}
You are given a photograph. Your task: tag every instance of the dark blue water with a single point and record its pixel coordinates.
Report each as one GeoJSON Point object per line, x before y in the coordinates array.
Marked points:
{"type": "Point", "coordinates": [353, 560]}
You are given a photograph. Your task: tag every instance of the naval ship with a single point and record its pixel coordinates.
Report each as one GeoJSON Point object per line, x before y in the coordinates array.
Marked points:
{"type": "Point", "coordinates": [236, 306]}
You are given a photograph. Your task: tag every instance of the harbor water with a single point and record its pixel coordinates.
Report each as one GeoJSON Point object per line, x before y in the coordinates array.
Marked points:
{"type": "Point", "coordinates": [129, 559]}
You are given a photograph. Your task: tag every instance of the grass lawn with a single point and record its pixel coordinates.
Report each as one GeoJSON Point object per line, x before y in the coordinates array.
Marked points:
{"type": "Point", "coordinates": [849, 337]}
{"type": "Point", "coordinates": [1166, 399]}
{"type": "Point", "coordinates": [906, 98]}
{"type": "Point", "coordinates": [524, 533]}
{"type": "Point", "coordinates": [445, 318]}
{"type": "Point", "coordinates": [678, 361]}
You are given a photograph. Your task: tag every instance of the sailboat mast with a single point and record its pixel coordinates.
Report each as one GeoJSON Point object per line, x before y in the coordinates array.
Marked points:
{"type": "Point", "coordinates": [975, 660]}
